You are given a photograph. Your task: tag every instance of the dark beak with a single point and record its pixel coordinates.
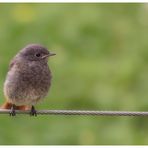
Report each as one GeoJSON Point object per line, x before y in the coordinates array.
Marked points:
{"type": "Point", "coordinates": [52, 54]}
{"type": "Point", "coordinates": [48, 55]}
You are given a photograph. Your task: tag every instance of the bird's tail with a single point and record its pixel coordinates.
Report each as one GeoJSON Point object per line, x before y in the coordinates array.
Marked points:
{"type": "Point", "coordinates": [8, 105]}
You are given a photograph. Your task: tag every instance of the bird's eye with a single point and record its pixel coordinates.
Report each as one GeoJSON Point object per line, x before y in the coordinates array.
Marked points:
{"type": "Point", "coordinates": [38, 55]}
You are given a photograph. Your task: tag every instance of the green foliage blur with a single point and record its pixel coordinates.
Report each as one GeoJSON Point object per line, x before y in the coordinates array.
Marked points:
{"type": "Point", "coordinates": [101, 64]}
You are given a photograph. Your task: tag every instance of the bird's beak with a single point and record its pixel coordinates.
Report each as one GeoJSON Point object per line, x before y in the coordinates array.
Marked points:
{"type": "Point", "coordinates": [48, 55]}
{"type": "Point", "coordinates": [52, 54]}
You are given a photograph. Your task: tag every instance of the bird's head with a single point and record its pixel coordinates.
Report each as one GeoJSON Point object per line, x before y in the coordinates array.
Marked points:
{"type": "Point", "coordinates": [35, 52]}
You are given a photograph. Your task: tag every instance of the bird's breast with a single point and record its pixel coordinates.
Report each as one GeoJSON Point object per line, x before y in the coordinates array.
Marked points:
{"type": "Point", "coordinates": [27, 82]}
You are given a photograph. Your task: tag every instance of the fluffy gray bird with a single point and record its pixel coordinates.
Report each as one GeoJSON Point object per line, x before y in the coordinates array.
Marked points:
{"type": "Point", "coordinates": [28, 79]}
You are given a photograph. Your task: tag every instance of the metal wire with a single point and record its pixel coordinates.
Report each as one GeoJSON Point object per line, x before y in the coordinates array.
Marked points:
{"type": "Point", "coordinates": [80, 112]}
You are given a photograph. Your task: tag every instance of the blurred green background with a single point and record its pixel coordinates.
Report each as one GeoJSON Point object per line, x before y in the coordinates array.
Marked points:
{"type": "Point", "coordinates": [101, 64]}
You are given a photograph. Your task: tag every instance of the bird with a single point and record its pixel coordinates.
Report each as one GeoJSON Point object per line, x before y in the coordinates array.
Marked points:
{"type": "Point", "coordinates": [28, 79]}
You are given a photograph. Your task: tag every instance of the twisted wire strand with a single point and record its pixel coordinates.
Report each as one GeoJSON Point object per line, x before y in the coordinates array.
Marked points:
{"type": "Point", "coordinates": [80, 112]}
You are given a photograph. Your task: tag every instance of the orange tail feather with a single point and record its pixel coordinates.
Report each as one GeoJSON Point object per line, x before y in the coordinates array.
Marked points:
{"type": "Point", "coordinates": [8, 105]}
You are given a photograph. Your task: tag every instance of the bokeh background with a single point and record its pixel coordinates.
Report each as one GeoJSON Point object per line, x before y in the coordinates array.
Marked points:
{"type": "Point", "coordinates": [101, 64]}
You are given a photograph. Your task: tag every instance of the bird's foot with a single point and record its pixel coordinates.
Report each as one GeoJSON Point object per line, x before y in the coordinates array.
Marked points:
{"type": "Point", "coordinates": [12, 110]}
{"type": "Point", "coordinates": [33, 111]}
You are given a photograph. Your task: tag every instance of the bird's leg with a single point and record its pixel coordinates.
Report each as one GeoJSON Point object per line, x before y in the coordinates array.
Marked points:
{"type": "Point", "coordinates": [12, 110]}
{"type": "Point", "coordinates": [33, 111]}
